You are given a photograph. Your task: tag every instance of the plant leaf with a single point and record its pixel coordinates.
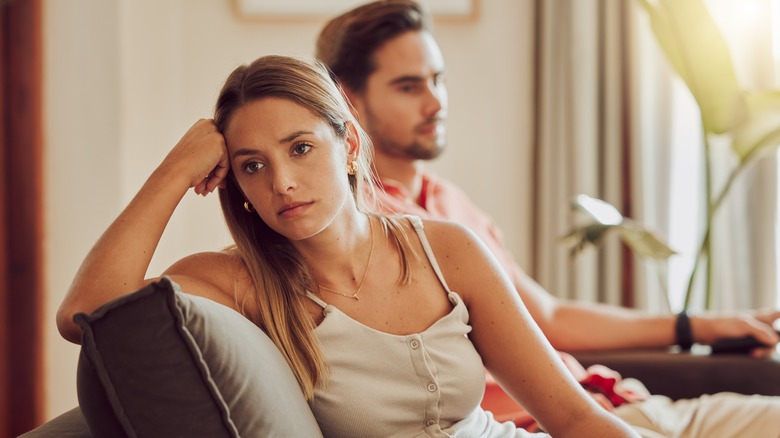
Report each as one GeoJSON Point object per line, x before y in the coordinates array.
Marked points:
{"type": "Point", "coordinates": [602, 211]}
{"type": "Point", "coordinates": [762, 128]}
{"type": "Point", "coordinates": [697, 50]}
{"type": "Point", "coordinates": [644, 242]}
{"type": "Point", "coordinates": [590, 234]}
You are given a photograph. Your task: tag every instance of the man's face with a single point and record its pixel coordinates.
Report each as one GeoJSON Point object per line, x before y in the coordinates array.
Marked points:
{"type": "Point", "coordinates": [404, 104]}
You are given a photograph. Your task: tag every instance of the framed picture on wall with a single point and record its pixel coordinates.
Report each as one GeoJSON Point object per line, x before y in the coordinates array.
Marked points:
{"type": "Point", "coordinates": [280, 10]}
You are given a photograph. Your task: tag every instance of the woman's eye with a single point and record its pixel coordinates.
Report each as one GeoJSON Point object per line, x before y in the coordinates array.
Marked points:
{"type": "Point", "coordinates": [301, 148]}
{"type": "Point", "coordinates": [253, 166]}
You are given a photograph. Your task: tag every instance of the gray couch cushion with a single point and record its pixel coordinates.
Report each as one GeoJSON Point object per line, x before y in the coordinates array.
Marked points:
{"type": "Point", "coordinates": [160, 362]}
{"type": "Point", "coordinates": [71, 424]}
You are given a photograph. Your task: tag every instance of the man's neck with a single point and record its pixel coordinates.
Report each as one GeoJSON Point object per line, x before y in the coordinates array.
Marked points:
{"type": "Point", "coordinates": [409, 173]}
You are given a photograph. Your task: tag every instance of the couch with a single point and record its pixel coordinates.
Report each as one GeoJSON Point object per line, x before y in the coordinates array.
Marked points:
{"type": "Point", "coordinates": [159, 362]}
{"type": "Point", "coordinates": [687, 374]}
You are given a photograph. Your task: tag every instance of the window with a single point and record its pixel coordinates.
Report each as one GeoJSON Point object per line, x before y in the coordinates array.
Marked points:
{"type": "Point", "coordinates": [752, 31]}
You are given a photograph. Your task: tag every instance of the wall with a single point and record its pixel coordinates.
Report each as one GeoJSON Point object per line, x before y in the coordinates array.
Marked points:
{"type": "Point", "coordinates": [124, 79]}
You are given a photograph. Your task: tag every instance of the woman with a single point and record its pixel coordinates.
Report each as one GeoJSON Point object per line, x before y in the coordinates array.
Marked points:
{"type": "Point", "coordinates": [357, 303]}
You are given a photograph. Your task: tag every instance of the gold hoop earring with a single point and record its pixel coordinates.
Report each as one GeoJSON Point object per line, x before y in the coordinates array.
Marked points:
{"type": "Point", "coordinates": [248, 207]}
{"type": "Point", "coordinates": [352, 167]}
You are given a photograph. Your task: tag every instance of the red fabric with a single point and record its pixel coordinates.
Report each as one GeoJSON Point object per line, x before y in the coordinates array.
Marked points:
{"type": "Point", "coordinates": [603, 380]}
{"type": "Point", "coordinates": [442, 200]}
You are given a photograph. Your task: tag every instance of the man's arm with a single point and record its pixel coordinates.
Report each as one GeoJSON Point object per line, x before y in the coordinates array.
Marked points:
{"type": "Point", "coordinates": [579, 326]}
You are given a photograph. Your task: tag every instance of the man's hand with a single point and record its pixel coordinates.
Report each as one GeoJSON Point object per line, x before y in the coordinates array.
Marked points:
{"type": "Point", "coordinates": [709, 328]}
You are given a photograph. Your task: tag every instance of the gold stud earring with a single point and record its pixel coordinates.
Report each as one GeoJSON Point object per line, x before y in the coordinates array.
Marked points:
{"type": "Point", "coordinates": [248, 207]}
{"type": "Point", "coordinates": [352, 167]}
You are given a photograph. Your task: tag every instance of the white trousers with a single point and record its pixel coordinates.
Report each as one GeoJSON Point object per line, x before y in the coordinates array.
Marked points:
{"type": "Point", "coordinates": [723, 415]}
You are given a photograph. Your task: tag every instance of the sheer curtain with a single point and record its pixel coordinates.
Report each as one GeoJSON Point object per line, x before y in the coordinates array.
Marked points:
{"type": "Point", "coordinates": [615, 122]}
{"type": "Point", "coordinates": [669, 135]}
{"type": "Point", "coordinates": [585, 143]}
{"type": "Point", "coordinates": [747, 225]}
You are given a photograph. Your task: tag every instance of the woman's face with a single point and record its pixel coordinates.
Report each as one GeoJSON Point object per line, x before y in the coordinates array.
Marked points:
{"type": "Point", "coordinates": [290, 165]}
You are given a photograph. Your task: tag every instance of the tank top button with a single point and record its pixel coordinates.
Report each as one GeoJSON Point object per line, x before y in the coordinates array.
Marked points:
{"type": "Point", "coordinates": [414, 344]}
{"type": "Point", "coordinates": [431, 387]}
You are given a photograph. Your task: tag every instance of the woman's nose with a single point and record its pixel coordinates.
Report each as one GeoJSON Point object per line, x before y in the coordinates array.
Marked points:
{"type": "Point", "coordinates": [283, 180]}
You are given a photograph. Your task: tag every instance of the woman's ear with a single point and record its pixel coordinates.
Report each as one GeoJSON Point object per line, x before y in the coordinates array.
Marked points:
{"type": "Point", "coordinates": [352, 142]}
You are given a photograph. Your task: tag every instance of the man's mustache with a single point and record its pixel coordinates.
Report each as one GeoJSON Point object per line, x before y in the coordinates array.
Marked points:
{"type": "Point", "coordinates": [439, 118]}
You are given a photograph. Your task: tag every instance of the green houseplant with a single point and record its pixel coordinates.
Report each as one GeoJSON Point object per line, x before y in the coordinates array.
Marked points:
{"type": "Point", "coordinates": [749, 120]}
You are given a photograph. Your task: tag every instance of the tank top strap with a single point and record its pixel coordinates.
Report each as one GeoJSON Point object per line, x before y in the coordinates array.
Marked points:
{"type": "Point", "coordinates": [418, 227]}
{"type": "Point", "coordinates": [316, 299]}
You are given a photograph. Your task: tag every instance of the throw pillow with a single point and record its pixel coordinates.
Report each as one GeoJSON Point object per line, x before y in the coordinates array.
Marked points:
{"type": "Point", "coordinates": [160, 362]}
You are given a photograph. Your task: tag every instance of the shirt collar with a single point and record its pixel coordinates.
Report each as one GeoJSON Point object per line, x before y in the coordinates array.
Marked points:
{"type": "Point", "coordinates": [398, 190]}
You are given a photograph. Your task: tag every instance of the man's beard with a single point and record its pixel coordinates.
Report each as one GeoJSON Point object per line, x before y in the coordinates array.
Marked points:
{"type": "Point", "coordinates": [415, 150]}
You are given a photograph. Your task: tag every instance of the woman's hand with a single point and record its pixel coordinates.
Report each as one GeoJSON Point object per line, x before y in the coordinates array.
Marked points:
{"type": "Point", "coordinates": [118, 261]}
{"type": "Point", "coordinates": [201, 156]}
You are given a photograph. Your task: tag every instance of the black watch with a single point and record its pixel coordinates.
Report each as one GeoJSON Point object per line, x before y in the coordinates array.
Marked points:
{"type": "Point", "coordinates": [683, 332]}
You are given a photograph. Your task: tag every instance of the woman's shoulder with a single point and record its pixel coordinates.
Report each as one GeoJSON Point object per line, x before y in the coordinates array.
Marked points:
{"type": "Point", "coordinates": [439, 225]}
{"type": "Point", "coordinates": [463, 258]}
{"type": "Point", "coordinates": [440, 234]}
{"type": "Point", "coordinates": [448, 231]}
{"type": "Point", "coordinates": [219, 275]}
{"type": "Point", "coordinates": [226, 262]}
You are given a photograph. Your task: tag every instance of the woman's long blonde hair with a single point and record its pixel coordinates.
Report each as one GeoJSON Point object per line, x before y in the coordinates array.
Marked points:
{"type": "Point", "coordinates": [280, 276]}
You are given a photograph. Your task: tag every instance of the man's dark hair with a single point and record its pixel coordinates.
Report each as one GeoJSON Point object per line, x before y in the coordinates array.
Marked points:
{"type": "Point", "coordinates": [348, 42]}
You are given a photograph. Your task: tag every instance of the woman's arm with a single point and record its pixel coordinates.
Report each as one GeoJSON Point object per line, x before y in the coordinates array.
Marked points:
{"type": "Point", "coordinates": [512, 346]}
{"type": "Point", "coordinates": [117, 263]}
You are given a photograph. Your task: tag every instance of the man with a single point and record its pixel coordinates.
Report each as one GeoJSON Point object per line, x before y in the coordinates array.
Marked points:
{"type": "Point", "coordinates": [385, 57]}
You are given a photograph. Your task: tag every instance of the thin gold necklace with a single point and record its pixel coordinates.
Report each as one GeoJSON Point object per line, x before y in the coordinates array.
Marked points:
{"type": "Point", "coordinates": [365, 273]}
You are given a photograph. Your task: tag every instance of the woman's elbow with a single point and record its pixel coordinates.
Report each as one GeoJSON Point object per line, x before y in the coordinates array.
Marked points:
{"type": "Point", "coordinates": [66, 326]}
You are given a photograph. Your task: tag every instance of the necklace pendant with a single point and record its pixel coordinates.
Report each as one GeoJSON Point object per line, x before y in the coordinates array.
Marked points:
{"type": "Point", "coordinates": [355, 296]}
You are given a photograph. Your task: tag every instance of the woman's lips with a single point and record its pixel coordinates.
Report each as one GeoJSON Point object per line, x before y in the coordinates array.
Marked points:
{"type": "Point", "coordinates": [293, 209]}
